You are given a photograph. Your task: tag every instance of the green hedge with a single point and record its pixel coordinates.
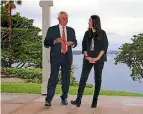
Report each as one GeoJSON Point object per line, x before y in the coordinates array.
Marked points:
{"type": "Point", "coordinates": [34, 74]}
{"type": "Point", "coordinates": [31, 74]}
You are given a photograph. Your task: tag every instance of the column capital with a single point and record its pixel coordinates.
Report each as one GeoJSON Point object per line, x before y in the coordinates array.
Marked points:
{"type": "Point", "coordinates": [46, 3]}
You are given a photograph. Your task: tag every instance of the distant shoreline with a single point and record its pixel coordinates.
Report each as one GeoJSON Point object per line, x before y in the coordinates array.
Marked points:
{"type": "Point", "coordinates": [78, 52]}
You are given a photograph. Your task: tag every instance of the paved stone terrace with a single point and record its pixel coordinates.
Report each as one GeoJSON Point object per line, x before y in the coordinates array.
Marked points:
{"type": "Point", "coordinates": [34, 104]}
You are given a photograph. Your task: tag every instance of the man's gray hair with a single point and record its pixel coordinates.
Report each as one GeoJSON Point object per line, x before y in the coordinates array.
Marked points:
{"type": "Point", "coordinates": [62, 12]}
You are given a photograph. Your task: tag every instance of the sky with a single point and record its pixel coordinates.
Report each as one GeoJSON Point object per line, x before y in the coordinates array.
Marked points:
{"type": "Point", "coordinates": [121, 19]}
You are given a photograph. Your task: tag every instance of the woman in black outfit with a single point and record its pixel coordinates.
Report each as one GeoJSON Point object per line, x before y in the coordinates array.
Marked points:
{"type": "Point", "coordinates": [94, 48]}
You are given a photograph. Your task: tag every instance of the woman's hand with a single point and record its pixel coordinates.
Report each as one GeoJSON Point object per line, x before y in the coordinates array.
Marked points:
{"type": "Point", "coordinates": [89, 59]}
{"type": "Point", "coordinates": [95, 59]}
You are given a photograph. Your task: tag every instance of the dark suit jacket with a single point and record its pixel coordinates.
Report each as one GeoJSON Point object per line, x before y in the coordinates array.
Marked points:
{"type": "Point", "coordinates": [53, 33]}
{"type": "Point", "coordinates": [100, 43]}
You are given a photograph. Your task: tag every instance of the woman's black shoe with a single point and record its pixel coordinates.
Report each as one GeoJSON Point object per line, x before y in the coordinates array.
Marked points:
{"type": "Point", "coordinates": [94, 105]}
{"type": "Point", "coordinates": [76, 102]}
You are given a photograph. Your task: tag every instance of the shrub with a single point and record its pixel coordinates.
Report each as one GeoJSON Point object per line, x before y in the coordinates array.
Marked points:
{"type": "Point", "coordinates": [25, 73]}
{"type": "Point", "coordinates": [34, 74]}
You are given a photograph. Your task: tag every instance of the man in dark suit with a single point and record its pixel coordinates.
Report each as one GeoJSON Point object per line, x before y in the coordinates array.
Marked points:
{"type": "Point", "coordinates": [61, 39]}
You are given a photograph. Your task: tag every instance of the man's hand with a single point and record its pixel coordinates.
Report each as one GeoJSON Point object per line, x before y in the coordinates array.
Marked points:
{"type": "Point", "coordinates": [58, 40]}
{"type": "Point", "coordinates": [69, 43]}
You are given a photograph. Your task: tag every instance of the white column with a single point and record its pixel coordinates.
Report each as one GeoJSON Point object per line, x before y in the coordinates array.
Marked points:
{"type": "Point", "coordinates": [45, 4]}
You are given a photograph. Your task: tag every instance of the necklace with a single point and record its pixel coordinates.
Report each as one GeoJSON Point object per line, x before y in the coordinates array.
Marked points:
{"type": "Point", "coordinates": [92, 45]}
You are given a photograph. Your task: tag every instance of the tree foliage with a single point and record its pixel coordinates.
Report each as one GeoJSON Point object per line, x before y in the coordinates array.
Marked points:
{"type": "Point", "coordinates": [8, 6]}
{"type": "Point", "coordinates": [132, 55]}
{"type": "Point", "coordinates": [25, 40]}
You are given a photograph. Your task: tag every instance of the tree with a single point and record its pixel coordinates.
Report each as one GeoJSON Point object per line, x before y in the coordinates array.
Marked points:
{"type": "Point", "coordinates": [132, 55]}
{"type": "Point", "coordinates": [26, 43]}
{"type": "Point", "coordinates": [9, 5]}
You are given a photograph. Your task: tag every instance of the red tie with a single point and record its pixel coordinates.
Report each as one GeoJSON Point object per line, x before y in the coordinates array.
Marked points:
{"type": "Point", "coordinates": [64, 50]}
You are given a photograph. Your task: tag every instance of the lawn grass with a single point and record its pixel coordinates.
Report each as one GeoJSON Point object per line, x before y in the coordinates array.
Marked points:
{"type": "Point", "coordinates": [34, 88]}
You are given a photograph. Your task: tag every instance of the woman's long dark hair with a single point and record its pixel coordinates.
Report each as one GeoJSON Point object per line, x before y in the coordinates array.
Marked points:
{"type": "Point", "coordinates": [96, 24]}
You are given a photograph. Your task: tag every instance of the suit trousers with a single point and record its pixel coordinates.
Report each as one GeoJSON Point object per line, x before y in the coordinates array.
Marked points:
{"type": "Point", "coordinates": [64, 63]}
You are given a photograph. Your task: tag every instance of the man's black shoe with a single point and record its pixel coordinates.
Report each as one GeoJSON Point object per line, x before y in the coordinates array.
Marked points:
{"type": "Point", "coordinates": [64, 101]}
{"type": "Point", "coordinates": [47, 104]}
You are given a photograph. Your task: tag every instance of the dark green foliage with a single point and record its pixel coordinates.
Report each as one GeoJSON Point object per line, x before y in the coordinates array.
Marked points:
{"type": "Point", "coordinates": [132, 55]}
{"type": "Point", "coordinates": [26, 43]}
